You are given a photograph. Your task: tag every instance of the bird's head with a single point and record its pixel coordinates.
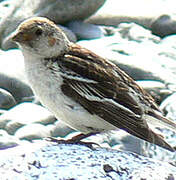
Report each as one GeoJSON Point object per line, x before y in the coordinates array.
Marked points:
{"type": "Point", "coordinates": [41, 37]}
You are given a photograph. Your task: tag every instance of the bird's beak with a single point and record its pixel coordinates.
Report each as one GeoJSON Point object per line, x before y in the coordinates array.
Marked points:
{"type": "Point", "coordinates": [21, 37]}
{"type": "Point", "coordinates": [17, 37]}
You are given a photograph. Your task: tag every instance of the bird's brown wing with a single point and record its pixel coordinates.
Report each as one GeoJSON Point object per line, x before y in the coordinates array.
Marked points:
{"type": "Point", "coordinates": [112, 112]}
{"type": "Point", "coordinates": [112, 81]}
{"type": "Point", "coordinates": [103, 89]}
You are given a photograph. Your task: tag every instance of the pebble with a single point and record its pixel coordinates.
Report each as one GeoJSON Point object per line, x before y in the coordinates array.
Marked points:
{"type": "Point", "coordinates": [120, 139]}
{"type": "Point", "coordinates": [142, 12]}
{"type": "Point", "coordinates": [7, 141]}
{"type": "Point", "coordinates": [60, 129]}
{"type": "Point", "coordinates": [163, 26]}
{"type": "Point", "coordinates": [53, 161]}
{"type": "Point", "coordinates": [85, 30]}
{"type": "Point", "coordinates": [169, 106]}
{"type": "Point", "coordinates": [12, 76]}
{"type": "Point", "coordinates": [33, 131]}
{"type": "Point", "coordinates": [70, 34]}
{"type": "Point", "coordinates": [23, 114]}
{"type": "Point", "coordinates": [134, 32]}
{"type": "Point", "coordinates": [158, 90]}
{"type": "Point", "coordinates": [6, 99]}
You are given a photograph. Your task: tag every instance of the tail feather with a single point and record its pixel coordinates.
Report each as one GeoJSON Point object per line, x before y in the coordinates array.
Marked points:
{"type": "Point", "coordinates": [158, 140]}
{"type": "Point", "coordinates": [158, 120]}
{"type": "Point", "coordinates": [147, 134]}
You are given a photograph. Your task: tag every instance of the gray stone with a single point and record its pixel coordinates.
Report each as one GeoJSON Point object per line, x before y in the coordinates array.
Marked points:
{"type": "Point", "coordinates": [70, 34]}
{"type": "Point", "coordinates": [85, 30]}
{"type": "Point", "coordinates": [2, 111]}
{"type": "Point", "coordinates": [142, 12]}
{"type": "Point", "coordinates": [169, 106]}
{"type": "Point", "coordinates": [23, 114]}
{"type": "Point", "coordinates": [39, 161]}
{"type": "Point", "coordinates": [6, 99]}
{"type": "Point", "coordinates": [134, 32]}
{"type": "Point", "coordinates": [56, 10]}
{"type": "Point", "coordinates": [163, 26]}
{"type": "Point", "coordinates": [121, 140]}
{"type": "Point", "coordinates": [167, 54]}
{"type": "Point", "coordinates": [158, 90]}
{"type": "Point", "coordinates": [33, 131]}
{"type": "Point", "coordinates": [7, 141]}
{"type": "Point", "coordinates": [60, 129]}
{"type": "Point", "coordinates": [12, 76]}
{"type": "Point", "coordinates": [12, 126]}
{"type": "Point", "coordinates": [169, 41]}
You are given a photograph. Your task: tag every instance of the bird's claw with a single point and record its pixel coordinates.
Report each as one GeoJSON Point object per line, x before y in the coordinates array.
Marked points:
{"type": "Point", "coordinates": [72, 141]}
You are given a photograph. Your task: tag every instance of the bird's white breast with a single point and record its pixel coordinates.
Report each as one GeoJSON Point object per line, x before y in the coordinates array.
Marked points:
{"type": "Point", "coordinates": [46, 86]}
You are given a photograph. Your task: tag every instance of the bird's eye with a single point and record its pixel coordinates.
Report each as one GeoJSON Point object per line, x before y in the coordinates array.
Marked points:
{"type": "Point", "coordinates": [38, 32]}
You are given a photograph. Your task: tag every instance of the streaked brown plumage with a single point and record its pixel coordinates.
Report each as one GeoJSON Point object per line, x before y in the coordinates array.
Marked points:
{"type": "Point", "coordinates": [86, 84]}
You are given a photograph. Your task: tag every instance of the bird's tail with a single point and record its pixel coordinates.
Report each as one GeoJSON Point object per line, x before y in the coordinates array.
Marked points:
{"type": "Point", "coordinates": [159, 140]}
{"type": "Point", "coordinates": [157, 120]}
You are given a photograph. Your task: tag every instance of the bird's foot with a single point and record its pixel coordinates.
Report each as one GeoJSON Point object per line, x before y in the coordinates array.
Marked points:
{"type": "Point", "coordinates": [75, 140]}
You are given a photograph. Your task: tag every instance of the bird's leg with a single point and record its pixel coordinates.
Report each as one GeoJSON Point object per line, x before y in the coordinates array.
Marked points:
{"type": "Point", "coordinates": [75, 140]}
{"type": "Point", "coordinates": [81, 136]}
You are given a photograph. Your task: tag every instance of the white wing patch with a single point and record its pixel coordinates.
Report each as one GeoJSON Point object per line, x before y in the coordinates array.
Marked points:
{"type": "Point", "coordinates": [86, 93]}
{"type": "Point", "coordinates": [70, 74]}
{"type": "Point", "coordinates": [82, 87]}
{"type": "Point", "coordinates": [76, 77]}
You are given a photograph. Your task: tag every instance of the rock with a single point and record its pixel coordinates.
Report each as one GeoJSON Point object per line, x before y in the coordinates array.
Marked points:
{"type": "Point", "coordinates": [33, 131]}
{"type": "Point", "coordinates": [18, 89]}
{"type": "Point", "coordinates": [166, 53]}
{"type": "Point", "coordinates": [85, 30]}
{"type": "Point", "coordinates": [7, 141]}
{"type": "Point", "coordinates": [56, 10]}
{"type": "Point", "coordinates": [158, 90]}
{"type": "Point", "coordinates": [70, 34]}
{"type": "Point", "coordinates": [134, 32]}
{"type": "Point", "coordinates": [168, 42]}
{"type": "Point", "coordinates": [41, 161]}
{"type": "Point", "coordinates": [169, 106]}
{"type": "Point", "coordinates": [6, 99]}
{"type": "Point", "coordinates": [121, 140]}
{"type": "Point", "coordinates": [23, 114]}
{"type": "Point", "coordinates": [12, 76]}
{"type": "Point", "coordinates": [141, 61]}
{"type": "Point", "coordinates": [163, 26]}
{"type": "Point", "coordinates": [60, 129]}
{"type": "Point", "coordinates": [2, 111]}
{"type": "Point", "coordinates": [114, 13]}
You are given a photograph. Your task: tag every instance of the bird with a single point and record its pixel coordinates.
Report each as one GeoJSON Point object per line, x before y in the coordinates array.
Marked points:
{"type": "Point", "coordinates": [86, 91]}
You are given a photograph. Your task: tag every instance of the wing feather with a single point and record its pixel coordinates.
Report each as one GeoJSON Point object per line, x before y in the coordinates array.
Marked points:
{"type": "Point", "coordinates": [103, 89]}
{"type": "Point", "coordinates": [114, 113]}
